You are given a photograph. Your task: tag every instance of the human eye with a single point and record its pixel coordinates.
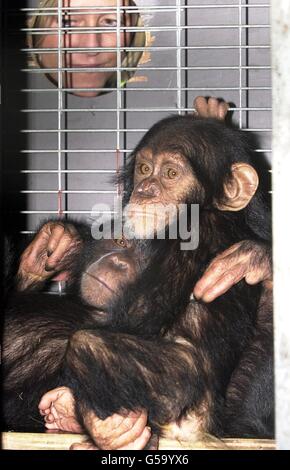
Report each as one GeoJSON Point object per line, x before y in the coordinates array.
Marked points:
{"type": "Point", "coordinates": [69, 22]}
{"type": "Point", "coordinates": [109, 21]}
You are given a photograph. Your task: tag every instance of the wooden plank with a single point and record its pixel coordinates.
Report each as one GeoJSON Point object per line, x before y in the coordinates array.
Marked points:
{"type": "Point", "coordinates": [63, 441]}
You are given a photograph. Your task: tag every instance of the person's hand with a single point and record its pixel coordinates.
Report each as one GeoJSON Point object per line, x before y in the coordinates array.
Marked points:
{"type": "Point", "coordinates": [246, 259]}
{"type": "Point", "coordinates": [211, 107]}
{"type": "Point", "coordinates": [46, 254]}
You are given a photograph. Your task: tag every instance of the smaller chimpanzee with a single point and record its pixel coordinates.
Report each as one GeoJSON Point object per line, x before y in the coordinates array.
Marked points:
{"type": "Point", "coordinates": [211, 165]}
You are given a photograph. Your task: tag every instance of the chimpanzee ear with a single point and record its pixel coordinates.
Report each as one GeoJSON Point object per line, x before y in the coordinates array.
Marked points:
{"type": "Point", "coordinates": [240, 188]}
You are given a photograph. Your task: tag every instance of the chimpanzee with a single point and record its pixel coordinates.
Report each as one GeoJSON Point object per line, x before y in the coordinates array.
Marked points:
{"type": "Point", "coordinates": [216, 162]}
{"type": "Point", "coordinates": [38, 325]}
{"type": "Point", "coordinates": [148, 350]}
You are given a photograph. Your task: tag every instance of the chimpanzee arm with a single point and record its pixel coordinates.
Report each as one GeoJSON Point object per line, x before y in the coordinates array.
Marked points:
{"type": "Point", "coordinates": [10, 266]}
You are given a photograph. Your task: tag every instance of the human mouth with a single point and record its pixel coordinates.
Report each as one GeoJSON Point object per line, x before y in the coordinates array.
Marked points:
{"type": "Point", "coordinates": [88, 66]}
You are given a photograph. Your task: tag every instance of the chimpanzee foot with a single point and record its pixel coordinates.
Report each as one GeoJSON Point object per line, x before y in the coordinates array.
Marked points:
{"type": "Point", "coordinates": [58, 408]}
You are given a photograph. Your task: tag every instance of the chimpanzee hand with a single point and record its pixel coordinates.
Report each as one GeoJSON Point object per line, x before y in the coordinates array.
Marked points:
{"type": "Point", "coordinates": [127, 431]}
{"type": "Point", "coordinates": [246, 259]}
{"type": "Point", "coordinates": [45, 255]}
{"type": "Point", "coordinates": [211, 107]}
{"type": "Point", "coordinates": [118, 432]}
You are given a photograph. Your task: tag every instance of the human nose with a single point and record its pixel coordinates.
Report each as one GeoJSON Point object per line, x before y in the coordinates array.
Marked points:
{"type": "Point", "coordinates": [91, 40]}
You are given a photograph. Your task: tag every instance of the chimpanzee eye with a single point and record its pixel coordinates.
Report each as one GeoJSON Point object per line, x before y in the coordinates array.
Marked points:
{"type": "Point", "coordinates": [144, 169]}
{"type": "Point", "coordinates": [171, 173]}
{"type": "Point", "coordinates": [121, 242]}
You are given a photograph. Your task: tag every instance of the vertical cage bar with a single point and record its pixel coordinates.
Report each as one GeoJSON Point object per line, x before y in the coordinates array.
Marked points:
{"type": "Point", "coordinates": [119, 86]}
{"type": "Point", "coordinates": [60, 103]}
{"type": "Point", "coordinates": [186, 43]}
{"type": "Point", "coordinates": [60, 115]}
{"type": "Point", "coordinates": [280, 16]}
{"type": "Point", "coordinates": [240, 63]}
{"type": "Point", "coordinates": [178, 55]}
{"type": "Point", "coordinates": [247, 63]}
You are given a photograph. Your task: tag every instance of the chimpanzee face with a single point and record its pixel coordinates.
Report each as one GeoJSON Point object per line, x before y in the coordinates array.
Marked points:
{"type": "Point", "coordinates": [186, 160]}
{"type": "Point", "coordinates": [163, 178]}
{"type": "Point", "coordinates": [113, 265]}
{"type": "Point", "coordinates": [160, 180]}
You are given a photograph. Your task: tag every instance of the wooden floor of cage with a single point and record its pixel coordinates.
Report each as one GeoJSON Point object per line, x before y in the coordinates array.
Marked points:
{"type": "Point", "coordinates": [59, 441]}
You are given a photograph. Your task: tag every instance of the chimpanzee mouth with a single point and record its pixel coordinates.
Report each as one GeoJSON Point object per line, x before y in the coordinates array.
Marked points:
{"type": "Point", "coordinates": [100, 281]}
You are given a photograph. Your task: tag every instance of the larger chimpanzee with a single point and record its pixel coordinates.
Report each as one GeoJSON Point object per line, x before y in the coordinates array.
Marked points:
{"type": "Point", "coordinates": [37, 327]}
{"type": "Point", "coordinates": [111, 365]}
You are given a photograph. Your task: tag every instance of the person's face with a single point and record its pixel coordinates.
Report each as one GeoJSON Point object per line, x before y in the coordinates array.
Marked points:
{"type": "Point", "coordinates": [86, 58]}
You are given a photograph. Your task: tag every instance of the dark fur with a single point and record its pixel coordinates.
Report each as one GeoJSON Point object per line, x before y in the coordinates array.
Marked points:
{"type": "Point", "coordinates": [36, 331]}
{"type": "Point", "coordinates": [135, 360]}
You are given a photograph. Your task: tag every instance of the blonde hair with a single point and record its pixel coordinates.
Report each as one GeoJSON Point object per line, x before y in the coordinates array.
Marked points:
{"type": "Point", "coordinates": [131, 58]}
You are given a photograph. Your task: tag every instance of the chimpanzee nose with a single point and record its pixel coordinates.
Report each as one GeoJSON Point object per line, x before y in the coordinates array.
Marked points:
{"type": "Point", "coordinates": [149, 188]}
{"type": "Point", "coordinates": [118, 262]}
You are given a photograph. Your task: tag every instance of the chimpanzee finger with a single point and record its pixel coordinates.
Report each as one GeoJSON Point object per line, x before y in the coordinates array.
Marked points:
{"type": "Point", "coordinates": [134, 432]}
{"type": "Point", "coordinates": [57, 232]}
{"type": "Point", "coordinates": [66, 245]}
{"type": "Point", "coordinates": [39, 245]}
{"type": "Point", "coordinates": [109, 437]}
{"type": "Point", "coordinates": [222, 263]}
{"type": "Point", "coordinates": [224, 283]}
{"type": "Point", "coordinates": [114, 425]}
{"type": "Point", "coordinates": [139, 443]}
{"type": "Point", "coordinates": [209, 278]}
{"type": "Point", "coordinates": [44, 412]}
{"type": "Point", "coordinates": [223, 110]}
{"type": "Point", "coordinates": [49, 419]}
{"type": "Point", "coordinates": [201, 106]}
{"type": "Point", "coordinates": [31, 269]}
{"type": "Point", "coordinates": [229, 251]}
{"type": "Point", "coordinates": [213, 108]}
{"type": "Point", "coordinates": [130, 419]}
{"type": "Point", "coordinates": [217, 108]}
{"type": "Point", "coordinates": [36, 249]}
{"type": "Point", "coordinates": [117, 424]}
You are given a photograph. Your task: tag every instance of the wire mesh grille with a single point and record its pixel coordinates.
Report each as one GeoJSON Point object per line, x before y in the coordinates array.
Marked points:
{"type": "Point", "coordinates": [71, 146]}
